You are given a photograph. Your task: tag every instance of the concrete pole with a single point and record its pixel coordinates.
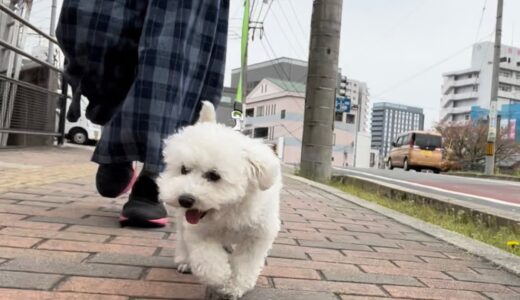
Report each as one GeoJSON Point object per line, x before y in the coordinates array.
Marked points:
{"type": "Point", "coordinates": [493, 108]}
{"type": "Point", "coordinates": [320, 94]}
{"type": "Point", "coordinates": [52, 28]}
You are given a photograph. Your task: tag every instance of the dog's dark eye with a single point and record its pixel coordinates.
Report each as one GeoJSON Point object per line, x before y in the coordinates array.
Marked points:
{"type": "Point", "coordinates": [212, 176]}
{"type": "Point", "coordinates": [184, 170]}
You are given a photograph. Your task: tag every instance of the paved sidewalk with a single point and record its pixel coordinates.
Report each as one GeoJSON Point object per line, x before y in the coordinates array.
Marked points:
{"type": "Point", "coordinates": [59, 240]}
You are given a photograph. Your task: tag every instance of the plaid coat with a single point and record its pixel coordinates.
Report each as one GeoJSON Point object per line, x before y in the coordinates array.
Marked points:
{"type": "Point", "coordinates": [145, 66]}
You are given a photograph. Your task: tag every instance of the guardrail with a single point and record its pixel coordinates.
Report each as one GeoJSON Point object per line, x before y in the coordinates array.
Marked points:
{"type": "Point", "coordinates": [28, 109]}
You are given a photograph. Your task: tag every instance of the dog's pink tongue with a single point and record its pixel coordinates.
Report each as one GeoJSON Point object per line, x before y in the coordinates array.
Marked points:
{"type": "Point", "coordinates": [193, 216]}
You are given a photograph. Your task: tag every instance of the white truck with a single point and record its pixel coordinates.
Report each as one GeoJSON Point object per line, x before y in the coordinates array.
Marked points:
{"type": "Point", "coordinates": [83, 131]}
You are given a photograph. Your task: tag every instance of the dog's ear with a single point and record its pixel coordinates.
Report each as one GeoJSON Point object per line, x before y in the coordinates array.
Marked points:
{"type": "Point", "coordinates": [207, 113]}
{"type": "Point", "coordinates": [263, 165]}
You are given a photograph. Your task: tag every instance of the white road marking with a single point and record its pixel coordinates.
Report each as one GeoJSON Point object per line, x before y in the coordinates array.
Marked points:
{"type": "Point", "coordinates": [434, 188]}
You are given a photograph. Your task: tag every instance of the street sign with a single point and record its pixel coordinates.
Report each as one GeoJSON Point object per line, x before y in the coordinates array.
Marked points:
{"type": "Point", "coordinates": [492, 133]}
{"type": "Point", "coordinates": [343, 104]}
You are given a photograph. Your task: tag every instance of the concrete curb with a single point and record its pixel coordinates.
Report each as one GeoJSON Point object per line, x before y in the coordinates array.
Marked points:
{"type": "Point", "coordinates": [502, 259]}
{"type": "Point", "coordinates": [493, 217]}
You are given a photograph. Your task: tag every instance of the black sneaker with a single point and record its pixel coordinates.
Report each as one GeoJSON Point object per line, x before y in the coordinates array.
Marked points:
{"type": "Point", "coordinates": [113, 180]}
{"type": "Point", "coordinates": [144, 209]}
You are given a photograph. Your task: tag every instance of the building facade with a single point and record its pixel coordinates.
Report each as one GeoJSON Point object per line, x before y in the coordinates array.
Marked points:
{"type": "Point", "coordinates": [472, 87]}
{"type": "Point", "coordinates": [294, 70]}
{"type": "Point", "coordinates": [282, 68]}
{"type": "Point", "coordinates": [389, 120]}
{"type": "Point", "coordinates": [274, 112]}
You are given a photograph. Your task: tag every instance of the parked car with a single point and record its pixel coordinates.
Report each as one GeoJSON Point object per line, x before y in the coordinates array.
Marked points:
{"type": "Point", "coordinates": [83, 131]}
{"type": "Point", "coordinates": [417, 150]}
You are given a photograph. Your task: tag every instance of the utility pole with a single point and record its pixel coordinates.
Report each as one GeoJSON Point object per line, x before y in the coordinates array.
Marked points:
{"type": "Point", "coordinates": [54, 7]}
{"type": "Point", "coordinates": [321, 90]}
{"type": "Point", "coordinates": [493, 120]}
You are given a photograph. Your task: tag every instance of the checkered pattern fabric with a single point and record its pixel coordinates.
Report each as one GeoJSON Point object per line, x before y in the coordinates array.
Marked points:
{"type": "Point", "coordinates": [145, 66]}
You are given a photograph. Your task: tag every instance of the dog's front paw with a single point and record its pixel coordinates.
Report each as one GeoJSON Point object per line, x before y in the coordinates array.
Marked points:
{"type": "Point", "coordinates": [184, 268]}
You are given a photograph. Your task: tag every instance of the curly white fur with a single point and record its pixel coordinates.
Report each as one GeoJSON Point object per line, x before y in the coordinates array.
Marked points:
{"type": "Point", "coordinates": [241, 208]}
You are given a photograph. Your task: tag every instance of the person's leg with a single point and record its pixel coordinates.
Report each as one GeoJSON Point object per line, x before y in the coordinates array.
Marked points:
{"type": "Point", "coordinates": [100, 39]}
{"type": "Point", "coordinates": [180, 62]}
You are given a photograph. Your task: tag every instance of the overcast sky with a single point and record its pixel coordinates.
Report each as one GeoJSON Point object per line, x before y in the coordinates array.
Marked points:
{"type": "Point", "coordinates": [399, 48]}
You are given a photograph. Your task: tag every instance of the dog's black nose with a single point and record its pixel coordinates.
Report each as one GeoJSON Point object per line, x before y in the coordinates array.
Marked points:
{"type": "Point", "coordinates": [186, 201]}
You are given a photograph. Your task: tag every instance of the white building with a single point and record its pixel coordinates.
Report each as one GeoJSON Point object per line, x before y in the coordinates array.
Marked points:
{"type": "Point", "coordinates": [357, 92]}
{"type": "Point", "coordinates": [472, 87]}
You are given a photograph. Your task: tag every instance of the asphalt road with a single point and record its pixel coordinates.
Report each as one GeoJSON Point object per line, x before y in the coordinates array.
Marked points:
{"type": "Point", "coordinates": [499, 194]}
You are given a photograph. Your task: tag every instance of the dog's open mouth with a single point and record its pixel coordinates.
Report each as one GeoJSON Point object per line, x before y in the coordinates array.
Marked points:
{"type": "Point", "coordinates": [194, 216]}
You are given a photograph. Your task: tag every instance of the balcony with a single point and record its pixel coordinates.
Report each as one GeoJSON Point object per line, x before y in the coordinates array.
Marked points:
{"type": "Point", "coordinates": [452, 83]}
{"type": "Point", "coordinates": [447, 99]}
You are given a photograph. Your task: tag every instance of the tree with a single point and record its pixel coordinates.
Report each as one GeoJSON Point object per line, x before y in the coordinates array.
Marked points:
{"type": "Point", "coordinates": [466, 144]}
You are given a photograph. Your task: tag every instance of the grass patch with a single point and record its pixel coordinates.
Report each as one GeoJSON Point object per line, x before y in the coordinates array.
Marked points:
{"type": "Point", "coordinates": [461, 223]}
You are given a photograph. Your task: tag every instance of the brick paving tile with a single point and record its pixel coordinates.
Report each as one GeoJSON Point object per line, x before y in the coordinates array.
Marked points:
{"type": "Point", "coordinates": [18, 242]}
{"type": "Point", "coordinates": [12, 294]}
{"type": "Point", "coordinates": [133, 288]}
{"type": "Point", "coordinates": [502, 278]}
{"type": "Point", "coordinates": [382, 256]}
{"type": "Point", "coordinates": [25, 280]}
{"type": "Point", "coordinates": [429, 293]}
{"type": "Point", "coordinates": [340, 258]}
{"type": "Point", "coordinates": [13, 253]}
{"type": "Point", "coordinates": [329, 286]}
{"type": "Point", "coordinates": [124, 240]}
{"type": "Point", "coordinates": [500, 296]}
{"type": "Point", "coordinates": [468, 286]}
{"type": "Point", "coordinates": [411, 252]}
{"type": "Point", "coordinates": [95, 247]}
{"type": "Point", "coordinates": [116, 231]}
{"type": "Point", "coordinates": [60, 240]}
{"type": "Point", "coordinates": [400, 271]}
{"type": "Point", "coordinates": [133, 260]}
{"type": "Point", "coordinates": [287, 272]}
{"type": "Point", "coordinates": [350, 297]}
{"type": "Point", "coordinates": [306, 264]}
{"type": "Point", "coordinates": [60, 235]}
{"type": "Point", "coordinates": [337, 246]}
{"type": "Point", "coordinates": [346, 276]}
{"type": "Point", "coordinates": [272, 294]}
{"type": "Point", "coordinates": [434, 267]}
{"type": "Point", "coordinates": [54, 266]}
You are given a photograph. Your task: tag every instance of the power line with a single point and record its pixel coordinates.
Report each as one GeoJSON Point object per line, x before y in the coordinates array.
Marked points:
{"type": "Point", "coordinates": [481, 19]}
{"type": "Point", "coordinates": [268, 10]}
{"type": "Point", "coordinates": [296, 17]}
{"type": "Point", "coordinates": [422, 71]}
{"type": "Point", "coordinates": [284, 33]}
{"type": "Point", "coordinates": [288, 78]}
{"type": "Point", "coordinates": [290, 27]}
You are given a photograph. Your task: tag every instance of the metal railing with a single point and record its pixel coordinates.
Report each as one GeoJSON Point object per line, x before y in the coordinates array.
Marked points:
{"type": "Point", "coordinates": [28, 107]}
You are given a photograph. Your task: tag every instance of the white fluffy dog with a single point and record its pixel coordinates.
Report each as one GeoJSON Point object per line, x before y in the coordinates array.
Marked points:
{"type": "Point", "coordinates": [226, 191]}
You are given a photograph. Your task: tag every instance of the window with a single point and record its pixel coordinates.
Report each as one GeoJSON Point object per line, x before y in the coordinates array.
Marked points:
{"type": "Point", "coordinates": [350, 119]}
{"type": "Point", "coordinates": [260, 111]}
{"type": "Point", "coordinates": [338, 116]}
{"type": "Point", "coordinates": [475, 88]}
{"type": "Point", "coordinates": [406, 139]}
{"type": "Point", "coordinates": [282, 114]}
{"type": "Point", "coordinates": [505, 87]}
{"type": "Point", "coordinates": [250, 112]}
{"type": "Point", "coordinates": [505, 73]}
{"type": "Point", "coordinates": [261, 132]}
